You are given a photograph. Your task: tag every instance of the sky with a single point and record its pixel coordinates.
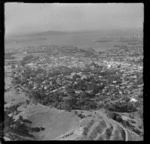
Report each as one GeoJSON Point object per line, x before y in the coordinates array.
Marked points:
{"type": "Point", "coordinates": [32, 17]}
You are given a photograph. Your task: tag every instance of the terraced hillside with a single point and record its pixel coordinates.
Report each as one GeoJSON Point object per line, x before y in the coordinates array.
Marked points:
{"type": "Point", "coordinates": [99, 126]}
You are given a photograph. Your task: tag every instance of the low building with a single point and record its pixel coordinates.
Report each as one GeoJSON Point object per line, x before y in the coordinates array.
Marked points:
{"type": "Point", "coordinates": [30, 64]}
{"type": "Point", "coordinates": [133, 100]}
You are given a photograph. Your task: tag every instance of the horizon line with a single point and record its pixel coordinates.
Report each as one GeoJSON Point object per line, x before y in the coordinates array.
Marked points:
{"type": "Point", "coordinates": [68, 31]}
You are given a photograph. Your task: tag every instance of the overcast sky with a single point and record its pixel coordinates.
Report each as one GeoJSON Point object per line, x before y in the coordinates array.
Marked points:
{"type": "Point", "coordinates": [24, 18]}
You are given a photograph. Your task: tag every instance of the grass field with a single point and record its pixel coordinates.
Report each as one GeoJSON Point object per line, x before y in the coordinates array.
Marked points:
{"type": "Point", "coordinates": [55, 123]}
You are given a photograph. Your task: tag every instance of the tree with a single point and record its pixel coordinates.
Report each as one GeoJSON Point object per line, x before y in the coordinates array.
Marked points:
{"type": "Point", "coordinates": [27, 58]}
